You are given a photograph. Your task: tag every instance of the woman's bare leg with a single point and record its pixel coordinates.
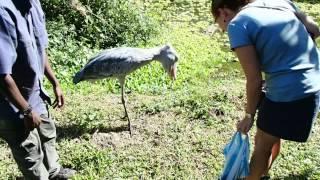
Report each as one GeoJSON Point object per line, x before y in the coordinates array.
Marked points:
{"type": "Point", "coordinates": [274, 154]}
{"type": "Point", "coordinates": [264, 144]}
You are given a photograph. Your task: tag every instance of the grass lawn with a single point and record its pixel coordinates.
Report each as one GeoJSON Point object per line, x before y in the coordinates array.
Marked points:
{"type": "Point", "coordinates": [179, 129]}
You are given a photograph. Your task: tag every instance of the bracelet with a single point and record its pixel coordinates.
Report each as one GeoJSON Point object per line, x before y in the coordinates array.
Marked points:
{"type": "Point", "coordinates": [249, 116]}
{"type": "Point", "coordinates": [27, 111]}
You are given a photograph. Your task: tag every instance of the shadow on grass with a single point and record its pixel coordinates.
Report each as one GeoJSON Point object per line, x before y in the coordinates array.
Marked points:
{"type": "Point", "coordinates": [74, 131]}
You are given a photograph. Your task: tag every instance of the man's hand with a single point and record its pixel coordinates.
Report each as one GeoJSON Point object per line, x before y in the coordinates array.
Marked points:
{"type": "Point", "coordinates": [309, 23]}
{"type": "Point", "coordinates": [59, 101]}
{"type": "Point", "coordinates": [31, 121]}
{"type": "Point", "coordinates": [245, 125]}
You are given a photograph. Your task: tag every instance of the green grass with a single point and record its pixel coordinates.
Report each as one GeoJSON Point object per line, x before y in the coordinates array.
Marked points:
{"type": "Point", "coordinates": [179, 129]}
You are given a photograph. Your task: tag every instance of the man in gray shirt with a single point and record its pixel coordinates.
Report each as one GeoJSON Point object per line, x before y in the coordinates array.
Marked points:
{"type": "Point", "coordinates": [25, 123]}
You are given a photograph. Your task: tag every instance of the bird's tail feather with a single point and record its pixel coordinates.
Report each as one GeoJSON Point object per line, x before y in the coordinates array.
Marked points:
{"type": "Point", "coordinates": [78, 77]}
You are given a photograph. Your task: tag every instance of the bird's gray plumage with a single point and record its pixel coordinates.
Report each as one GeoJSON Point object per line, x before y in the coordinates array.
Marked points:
{"type": "Point", "coordinates": [119, 62]}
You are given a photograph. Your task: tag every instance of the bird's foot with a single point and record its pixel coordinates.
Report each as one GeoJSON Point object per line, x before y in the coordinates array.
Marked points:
{"type": "Point", "coordinates": [130, 130]}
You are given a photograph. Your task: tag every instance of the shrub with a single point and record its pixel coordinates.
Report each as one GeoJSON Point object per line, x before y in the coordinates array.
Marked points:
{"type": "Point", "coordinates": [103, 23]}
{"type": "Point", "coordinates": [66, 55]}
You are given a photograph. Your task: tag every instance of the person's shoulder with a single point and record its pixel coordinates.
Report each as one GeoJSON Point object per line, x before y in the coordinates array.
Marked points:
{"type": "Point", "coordinates": [287, 4]}
{"type": "Point", "coordinates": [243, 16]}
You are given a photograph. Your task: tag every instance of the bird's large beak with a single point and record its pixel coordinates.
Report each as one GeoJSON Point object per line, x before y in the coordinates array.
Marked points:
{"type": "Point", "coordinates": [173, 71]}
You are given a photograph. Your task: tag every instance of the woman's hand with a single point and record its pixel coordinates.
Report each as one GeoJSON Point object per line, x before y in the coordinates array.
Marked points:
{"type": "Point", "coordinates": [245, 125]}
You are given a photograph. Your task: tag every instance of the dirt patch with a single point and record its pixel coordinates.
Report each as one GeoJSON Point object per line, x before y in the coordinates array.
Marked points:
{"type": "Point", "coordinates": [145, 129]}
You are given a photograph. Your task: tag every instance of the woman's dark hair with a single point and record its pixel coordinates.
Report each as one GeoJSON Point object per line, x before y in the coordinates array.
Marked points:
{"type": "Point", "coordinates": [233, 5]}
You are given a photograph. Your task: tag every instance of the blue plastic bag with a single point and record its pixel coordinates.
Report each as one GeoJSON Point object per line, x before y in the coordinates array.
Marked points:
{"type": "Point", "coordinates": [236, 158]}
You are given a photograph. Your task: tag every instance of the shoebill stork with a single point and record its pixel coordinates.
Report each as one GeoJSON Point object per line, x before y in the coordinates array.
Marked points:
{"type": "Point", "coordinates": [119, 62]}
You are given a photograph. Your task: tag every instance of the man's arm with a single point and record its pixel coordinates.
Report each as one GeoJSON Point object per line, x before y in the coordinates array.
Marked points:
{"type": "Point", "coordinates": [49, 73]}
{"type": "Point", "coordinates": [10, 90]}
{"type": "Point", "coordinates": [8, 87]}
{"type": "Point", "coordinates": [59, 101]}
{"type": "Point", "coordinates": [309, 23]}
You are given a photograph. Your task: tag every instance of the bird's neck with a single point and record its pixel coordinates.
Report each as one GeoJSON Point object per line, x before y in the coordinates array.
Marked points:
{"type": "Point", "coordinates": [149, 55]}
{"type": "Point", "coordinates": [156, 53]}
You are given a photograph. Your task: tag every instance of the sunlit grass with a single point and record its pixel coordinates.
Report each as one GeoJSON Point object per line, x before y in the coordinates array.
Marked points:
{"type": "Point", "coordinates": [179, 129]}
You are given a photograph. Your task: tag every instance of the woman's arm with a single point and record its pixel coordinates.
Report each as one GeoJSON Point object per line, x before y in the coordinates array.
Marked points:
{"type": "Point", "coordinates": [249, 61]}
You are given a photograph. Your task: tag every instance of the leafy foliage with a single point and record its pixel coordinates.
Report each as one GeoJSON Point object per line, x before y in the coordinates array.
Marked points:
{"type": "Point", "coordinates": [103, 23]}
{"type": "Point", "coordinates": [66, 55]}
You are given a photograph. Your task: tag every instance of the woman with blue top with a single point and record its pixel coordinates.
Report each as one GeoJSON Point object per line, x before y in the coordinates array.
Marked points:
{"type": "Point", "coordinates": [271, 37]}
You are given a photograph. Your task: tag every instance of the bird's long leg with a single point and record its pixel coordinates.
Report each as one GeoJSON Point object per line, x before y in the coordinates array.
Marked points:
{"type": "Point", "coordinates": [122, 84]}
